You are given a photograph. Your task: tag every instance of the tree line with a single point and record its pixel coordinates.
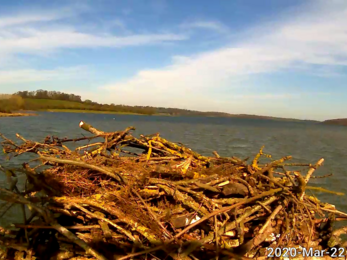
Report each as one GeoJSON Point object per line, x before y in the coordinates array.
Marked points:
{"type": "Point", "coordinates": [45, 94]}
{"type": "Point", "coordinates": [46, 100]}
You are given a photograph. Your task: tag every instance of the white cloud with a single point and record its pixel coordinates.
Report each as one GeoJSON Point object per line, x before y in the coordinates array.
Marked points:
{"type": "Point", "coordinates": [32, 75]}
{"type": "Point", "coordinates": [315, 36]}
{"type": "Point", "coordinates": [25, 19]}
{"type": "Point", "coordinates": [116, 23]}
{"type": "Point", "coordinates": [41, 15]}
{"type": "Point", "coordinates": [207, 25]}
{"type": "Point", "coordinates": [29, 40]}
{"type": "Point", "coordinates": [42, 33]}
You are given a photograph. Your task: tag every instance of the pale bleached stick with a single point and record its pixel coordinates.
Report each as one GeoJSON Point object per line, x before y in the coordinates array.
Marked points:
{"type": "Point", "coordinates": [310, 172]}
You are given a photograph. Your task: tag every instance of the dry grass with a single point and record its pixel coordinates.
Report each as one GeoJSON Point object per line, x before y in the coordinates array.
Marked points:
{"type": "Point", "coordinates": [5, 96]}
{"type": "Point", "coordinates": [16, 114]}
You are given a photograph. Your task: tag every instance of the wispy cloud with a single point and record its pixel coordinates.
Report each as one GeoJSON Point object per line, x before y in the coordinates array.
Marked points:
{"type": "Point", "coordinates": [207, 25]}
{"type": "Point", "coordinates": [25, 19]}
{"type": "Point", "coordinates": [34, 75]}
{"type": "Point", "coordinates": [116, 23]}
{"type": "Point", "coordinates": [32, 40]}
{"type": "Point", "coordinates": [40, 33]}
{"type": "Point", "coordinates": [317, 35]}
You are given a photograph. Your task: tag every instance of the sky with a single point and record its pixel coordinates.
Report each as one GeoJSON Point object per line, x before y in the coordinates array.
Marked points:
{"type": "Point", "coordinates": [276, 58]}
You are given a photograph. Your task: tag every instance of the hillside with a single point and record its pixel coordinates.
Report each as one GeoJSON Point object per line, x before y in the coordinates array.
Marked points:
{"type": "Point", "coordinates": [339, 121]}
{"type": "Point", "coordinates": [55, 101]}
{"type": "Point", "coordinates": [71, 106]}
{"type": "Point", "coordinates": [75, 106]}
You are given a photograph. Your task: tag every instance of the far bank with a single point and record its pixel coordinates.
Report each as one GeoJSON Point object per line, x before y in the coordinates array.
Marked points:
{"type": "Point", "coordinates": [16, 114]}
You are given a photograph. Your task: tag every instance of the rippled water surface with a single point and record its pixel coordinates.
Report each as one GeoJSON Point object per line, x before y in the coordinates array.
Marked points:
{"type": "Point", "coordinates": [306, 142]}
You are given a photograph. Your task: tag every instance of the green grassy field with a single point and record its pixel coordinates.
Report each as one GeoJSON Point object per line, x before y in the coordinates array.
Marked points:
{"type": "Point", "coordinates": [55, 103]}
{"type": "Point", "coordinates": [79, 107]}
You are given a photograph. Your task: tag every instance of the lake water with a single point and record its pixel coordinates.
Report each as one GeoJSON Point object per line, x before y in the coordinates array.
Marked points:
{"type": "Point", "coordinates": [306, 142]}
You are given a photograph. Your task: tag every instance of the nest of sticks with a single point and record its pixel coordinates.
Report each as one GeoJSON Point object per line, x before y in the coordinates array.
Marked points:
{"type": "Point", "coordinates": [105, 200]}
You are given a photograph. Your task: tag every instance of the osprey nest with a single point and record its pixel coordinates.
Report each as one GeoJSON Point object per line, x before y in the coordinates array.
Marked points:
{"type": "Point", "coordinates": [110, 195]}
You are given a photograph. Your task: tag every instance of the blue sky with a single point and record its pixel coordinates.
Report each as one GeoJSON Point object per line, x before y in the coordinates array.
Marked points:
{"type": "Point", "coordinates": [278, 58]}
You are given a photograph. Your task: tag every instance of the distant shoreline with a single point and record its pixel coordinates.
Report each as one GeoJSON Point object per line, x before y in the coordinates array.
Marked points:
{"type": "Point", "coordinates": [339, 121]}
{"type": "Point", "coordinates": [88, 111]}
{"type": "Point", "coordinates": [53, 101]}
{"type": "Point", "coordinates": [16, 114]}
